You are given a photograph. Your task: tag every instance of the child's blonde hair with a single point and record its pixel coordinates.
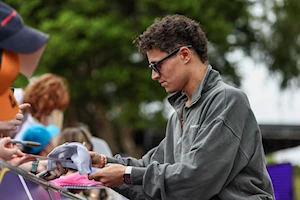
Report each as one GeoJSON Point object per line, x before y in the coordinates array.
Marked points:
{"type": "Point", "coordinates": [76, 134]}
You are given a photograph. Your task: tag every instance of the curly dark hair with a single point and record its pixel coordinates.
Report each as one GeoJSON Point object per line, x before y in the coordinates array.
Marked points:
{"type": "Point", "coordinates": [171, 32]}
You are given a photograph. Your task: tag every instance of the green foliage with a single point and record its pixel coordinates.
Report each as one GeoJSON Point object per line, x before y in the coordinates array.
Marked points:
{"type": "Point", "coordinates": [279, 40]}
{"type": "Point", "coordinates": [296, 182]}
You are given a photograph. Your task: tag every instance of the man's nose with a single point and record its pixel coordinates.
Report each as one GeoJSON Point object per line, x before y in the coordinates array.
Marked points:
{"type": "Point", "coordinates": [154, 75]}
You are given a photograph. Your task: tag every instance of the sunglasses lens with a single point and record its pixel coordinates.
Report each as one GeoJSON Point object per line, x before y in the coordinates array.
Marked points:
{"type": "Point", "coordinates": [153, 67]}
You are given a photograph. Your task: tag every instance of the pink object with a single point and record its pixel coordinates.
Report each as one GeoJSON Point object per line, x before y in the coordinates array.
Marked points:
{"type": "Point", "coordinates": [75, 179]}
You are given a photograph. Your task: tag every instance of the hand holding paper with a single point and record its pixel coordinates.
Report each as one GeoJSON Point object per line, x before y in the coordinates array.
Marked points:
{"type": "Point", "coordinates": [111, 175]}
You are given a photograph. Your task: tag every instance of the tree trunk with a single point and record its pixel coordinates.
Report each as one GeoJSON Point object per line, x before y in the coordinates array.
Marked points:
{"type": "Point", "coordinates": [103, 128]}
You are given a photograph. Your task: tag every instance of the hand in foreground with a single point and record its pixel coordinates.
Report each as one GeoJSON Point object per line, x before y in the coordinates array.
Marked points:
{"type": "Point", "coordinates": [20, 158]}
{"type": "Point", "coordinates": [111, 175]}
{"type": "Point", "coordinates": [53, 173]}
{"type": "Point", "coordinates": [12, 125]}
{"type": "Point", "coordinates": [23, 107]}
{"type": "Point", "coordinates": [43, 167]}
{"type": "Point", "coordinates": [7, 152]}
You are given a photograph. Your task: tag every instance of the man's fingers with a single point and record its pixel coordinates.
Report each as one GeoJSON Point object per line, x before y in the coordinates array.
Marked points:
{"type": "Point", "coordinates": [90, 176]}
{"type": "Point", "coordinates": [95, 176]}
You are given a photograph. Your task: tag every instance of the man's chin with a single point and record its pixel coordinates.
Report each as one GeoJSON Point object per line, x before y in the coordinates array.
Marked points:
{"type": "Point", "coordinates": [168, 90]}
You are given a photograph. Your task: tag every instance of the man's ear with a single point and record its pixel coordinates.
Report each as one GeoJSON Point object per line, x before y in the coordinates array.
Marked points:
{"type": "Point", "coordinates": [185, 54]}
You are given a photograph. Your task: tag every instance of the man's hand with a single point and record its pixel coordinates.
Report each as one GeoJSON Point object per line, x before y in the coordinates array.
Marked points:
{"type": "Point", "coordinates": [111, 175]}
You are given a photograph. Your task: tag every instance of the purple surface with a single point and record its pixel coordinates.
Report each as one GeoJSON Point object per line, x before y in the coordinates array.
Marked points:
{"type": "Point", "coordinates": [282, 179]}
{"type": "Point", "coordinates": [11, 188]}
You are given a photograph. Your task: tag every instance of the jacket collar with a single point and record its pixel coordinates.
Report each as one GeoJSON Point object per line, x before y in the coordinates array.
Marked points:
{"type": "Point", "coordinates": [210, 79]}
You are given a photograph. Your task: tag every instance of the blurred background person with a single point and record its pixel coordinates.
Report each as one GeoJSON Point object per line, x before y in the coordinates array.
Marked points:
{"type": "Point", "coordinates": [42, 134]}
{"type": "Point", "coordinates": [81, 133]}
{"type": "Point", "coordinates": [48, 96]}
{"type": "Point", "coordinates": [76, 134]}
{"type": "Point", "coordinates": [101, 146]}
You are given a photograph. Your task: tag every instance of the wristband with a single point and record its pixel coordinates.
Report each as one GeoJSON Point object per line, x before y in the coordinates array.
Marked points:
{"type": "Point", "coordinates": [34, 166]}
{"type": "Point", "coordinates": [127, 175]}
{"type": "Point", "coordinates": [103, 161]}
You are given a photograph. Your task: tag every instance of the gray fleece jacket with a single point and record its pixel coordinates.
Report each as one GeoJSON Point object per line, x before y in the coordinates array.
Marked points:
{"type": "Point", "coordinates": [217, 155]}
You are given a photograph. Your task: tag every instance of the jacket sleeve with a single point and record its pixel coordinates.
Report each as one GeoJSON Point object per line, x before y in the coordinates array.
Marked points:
{"type": "Point", "coordinates": [136, 191]}
{"type": "Point", "coordinates": [144, 161]}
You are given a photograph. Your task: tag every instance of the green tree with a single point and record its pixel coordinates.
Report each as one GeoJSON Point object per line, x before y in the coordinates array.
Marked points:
{"type": "Point", "coordinates": [110, 84]}
{"type": "Point", "coordinates": [278, 39]}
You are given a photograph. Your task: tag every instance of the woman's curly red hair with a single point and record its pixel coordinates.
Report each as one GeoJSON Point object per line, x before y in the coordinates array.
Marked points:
{"type": "Point", "coordinates": [47, 93]}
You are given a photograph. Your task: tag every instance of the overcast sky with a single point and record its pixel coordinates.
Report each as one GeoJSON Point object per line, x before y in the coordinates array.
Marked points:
{"type": "Point", "coordinates": [270, 104]}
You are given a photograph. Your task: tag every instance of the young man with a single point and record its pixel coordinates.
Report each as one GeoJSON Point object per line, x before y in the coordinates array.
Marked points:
{"type": "Point", "coordinates": [213, 145]}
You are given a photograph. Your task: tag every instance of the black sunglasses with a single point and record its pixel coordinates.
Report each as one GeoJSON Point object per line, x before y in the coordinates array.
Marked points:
{"type": "Point", "coordinates": [154, 66]}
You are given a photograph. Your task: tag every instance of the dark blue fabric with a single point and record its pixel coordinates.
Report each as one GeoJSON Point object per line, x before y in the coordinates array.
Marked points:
{"type": "Point", "coordinates": [17, 37]}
